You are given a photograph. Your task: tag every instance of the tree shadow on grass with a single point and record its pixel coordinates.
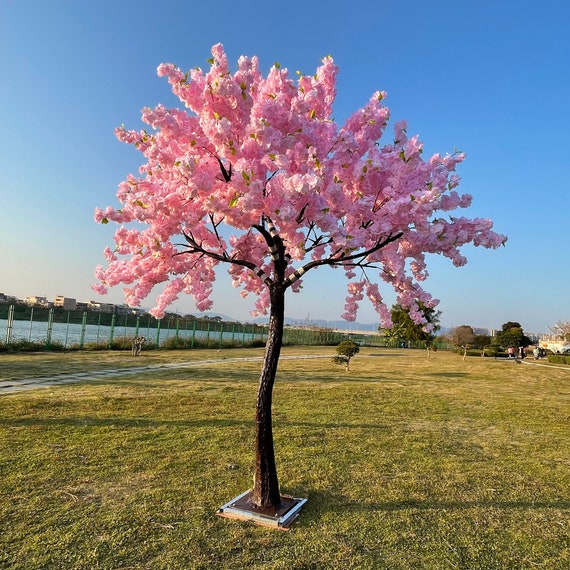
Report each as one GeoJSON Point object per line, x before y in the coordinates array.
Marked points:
{"type": "Point", "coordinates": [139, 423]}
{"type": "Point", "coordinates": [322, 502]}
{"type": "Point", "coordinates": [152, 423]}
{"type": "Point", "coordinates": [391, 354]}
{"type": "Point", "coordinates": [447, 374]}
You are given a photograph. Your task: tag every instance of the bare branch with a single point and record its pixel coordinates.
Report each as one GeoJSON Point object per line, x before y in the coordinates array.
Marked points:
{"type": "Point", "coordinates": [337, 258]}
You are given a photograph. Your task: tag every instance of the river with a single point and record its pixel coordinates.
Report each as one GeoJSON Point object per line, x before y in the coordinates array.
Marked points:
{"type": "Point", "coordinates": [70, 334]}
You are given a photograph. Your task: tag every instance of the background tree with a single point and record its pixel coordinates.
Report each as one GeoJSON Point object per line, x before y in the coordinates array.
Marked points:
{"type": "Point", "coordinates": [481, 341]}
{"type": "Point", "coordinates": [256, 174]}
{"type": "Point", "coordinates": [511, 334]}
{"type": "Point", "coordinates": [562, 330]}
{"type": "Point", "coordinates": [463, 336]}
{"type": "Point", "coordinates": [345, 351]}
{"type": "Point", "coordinates": [404, 327]}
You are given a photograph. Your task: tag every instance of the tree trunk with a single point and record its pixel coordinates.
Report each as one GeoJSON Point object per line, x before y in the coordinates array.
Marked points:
{"type": "Point", "coordinates": [266, 486]}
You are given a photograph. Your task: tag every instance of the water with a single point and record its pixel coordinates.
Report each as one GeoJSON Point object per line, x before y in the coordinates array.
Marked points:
{"type": "Point", "coordinates": [68, 334]}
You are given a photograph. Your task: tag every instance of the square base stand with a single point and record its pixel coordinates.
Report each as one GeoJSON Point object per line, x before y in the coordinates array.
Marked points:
{"type": "Point", "coordinates": [281, 518]}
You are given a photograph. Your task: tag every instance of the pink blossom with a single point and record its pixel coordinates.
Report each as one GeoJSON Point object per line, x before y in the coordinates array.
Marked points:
{"type": "Point", "coordinates": [252, 156]}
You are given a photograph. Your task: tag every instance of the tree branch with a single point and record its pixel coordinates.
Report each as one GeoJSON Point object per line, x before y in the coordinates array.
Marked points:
{"type": "Point", "coordinates": [344, 259]}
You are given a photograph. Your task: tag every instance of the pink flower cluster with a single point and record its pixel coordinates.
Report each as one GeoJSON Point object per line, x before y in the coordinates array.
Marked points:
{"type": "Point", "coordinates": [249, 149]}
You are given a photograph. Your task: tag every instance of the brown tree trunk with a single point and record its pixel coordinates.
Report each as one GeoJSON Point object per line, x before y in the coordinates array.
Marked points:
{"type": "Point", "coordinates": [266, 486]}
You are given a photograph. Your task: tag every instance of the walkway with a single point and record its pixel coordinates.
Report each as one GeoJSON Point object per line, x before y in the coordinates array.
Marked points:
{"type": "Point", "coordinates": [11, 386]}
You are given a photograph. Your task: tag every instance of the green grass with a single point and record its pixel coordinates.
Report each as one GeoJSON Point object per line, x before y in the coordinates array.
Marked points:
{"type": "Point", "coordinates": [407, 462]}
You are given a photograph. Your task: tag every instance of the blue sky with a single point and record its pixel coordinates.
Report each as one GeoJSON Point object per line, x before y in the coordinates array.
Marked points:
{"type": "Point", "coordinates": [491, 78]}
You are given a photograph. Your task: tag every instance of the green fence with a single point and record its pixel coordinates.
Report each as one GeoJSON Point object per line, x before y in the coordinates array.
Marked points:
{"type": "Point", "coordinates": [56, 328]}
{"type": "Point", "coordinates": [28, 328]}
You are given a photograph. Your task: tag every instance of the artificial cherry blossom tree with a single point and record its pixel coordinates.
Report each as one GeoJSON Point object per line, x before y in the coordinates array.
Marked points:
{"type": "Point", "coordinates": [255, 174]}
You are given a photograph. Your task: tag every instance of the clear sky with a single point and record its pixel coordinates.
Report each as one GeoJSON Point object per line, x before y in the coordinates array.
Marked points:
{"type": "Point", "coordinates": [491, 78]}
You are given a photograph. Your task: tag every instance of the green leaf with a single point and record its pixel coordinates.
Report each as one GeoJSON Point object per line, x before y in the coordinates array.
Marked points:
{"type": "Point", "coordinates": [104, 221]}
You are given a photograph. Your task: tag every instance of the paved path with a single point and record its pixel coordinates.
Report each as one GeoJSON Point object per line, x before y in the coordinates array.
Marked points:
{"type": "Point", "coordinates": [11, 386]}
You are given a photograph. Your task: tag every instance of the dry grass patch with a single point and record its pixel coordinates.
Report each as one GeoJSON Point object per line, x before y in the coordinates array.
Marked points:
{"type": "Point", "coordinates": [407, 462]}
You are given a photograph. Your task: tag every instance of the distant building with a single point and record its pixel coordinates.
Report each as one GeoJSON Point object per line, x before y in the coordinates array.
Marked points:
{"type": "Point", "coordinates": [101, 307]}
{"type": "Point", "coordinates": [5, 299]}
{"type": "Point", "coordinates": [126, 310]}
{"type": "Point", "coordinates": [35, 301]}
{"type": "Point", "coordinates": [67, 303]}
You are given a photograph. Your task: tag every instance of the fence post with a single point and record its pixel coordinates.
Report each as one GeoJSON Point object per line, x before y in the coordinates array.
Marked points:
{"type": "Point", "coordinates": [98, 328]}
{"type": "Point", "coordinates": [31, 322]}
{"type": "Point", "coordinates": [66, 330]}
{"type": "Point", "coordinates": [9, 325]}
{"type": "Point", "coordinates": [49, 328]}
{"type": "Point", "coordinates": [157, 333]}
{"type": "Point", "coordinates": [112, 331]}
{"type": "Point", "coordinates": [193, 333]}
{"type": "Point", "coordinates": [83, 328]}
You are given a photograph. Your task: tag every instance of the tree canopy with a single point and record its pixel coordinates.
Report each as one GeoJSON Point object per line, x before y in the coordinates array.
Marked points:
{"type": "Point", "coordinates": [511, 334]}
{"type": "Point", "coordinates": [562, 330]}
{"type": "Point", "coordinates": [255, 163]}
{"type": "Point", "coordinates": [463, 336]}
{"type": "Point", "coordinates": [405, 328]}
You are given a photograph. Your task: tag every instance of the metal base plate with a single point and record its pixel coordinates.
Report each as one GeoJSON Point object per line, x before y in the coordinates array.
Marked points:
{"type": "Point", "coordinates": [280, 518]}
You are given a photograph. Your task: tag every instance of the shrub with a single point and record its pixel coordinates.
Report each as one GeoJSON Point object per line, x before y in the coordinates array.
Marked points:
{"type": "Point", "coordinates": [558, 359]}
{"type": "Point", "coordinates": [345, 351]}
{"type": "Point", "coordinates": [23, 345]}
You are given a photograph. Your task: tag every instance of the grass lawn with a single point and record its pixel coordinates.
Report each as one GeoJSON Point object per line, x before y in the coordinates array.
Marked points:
{"type": "Point", "coordinates": [407, 462]}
